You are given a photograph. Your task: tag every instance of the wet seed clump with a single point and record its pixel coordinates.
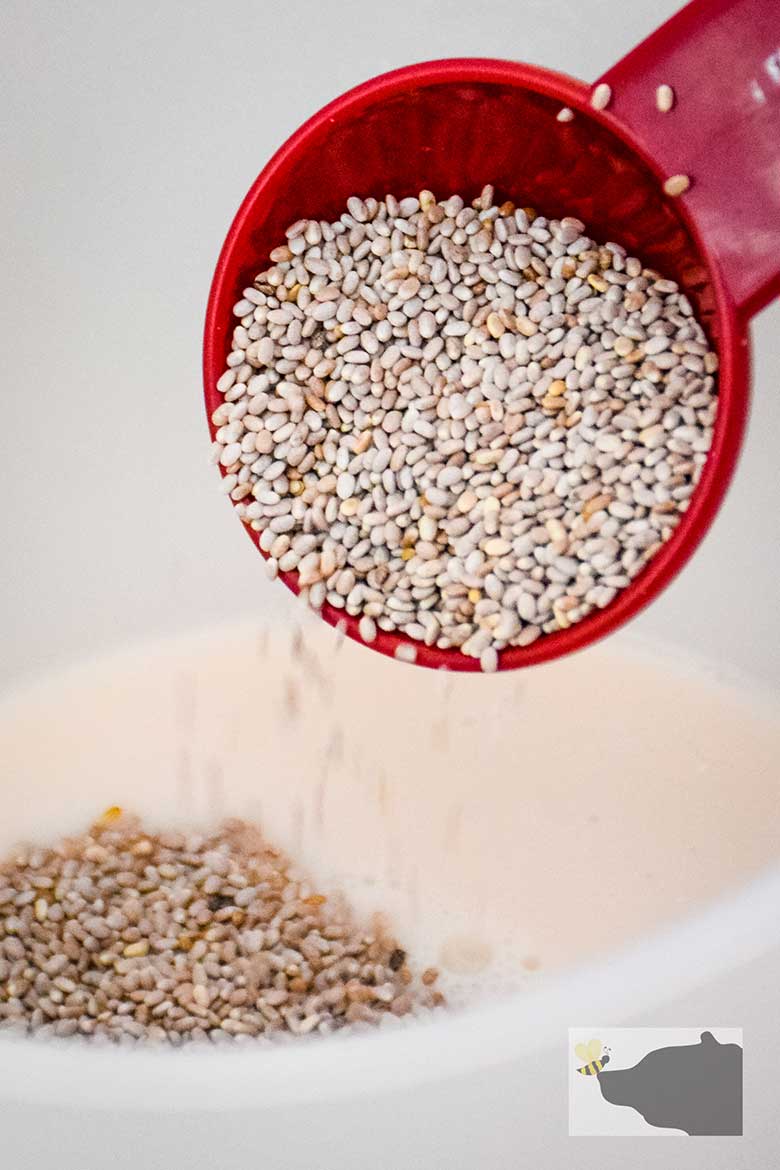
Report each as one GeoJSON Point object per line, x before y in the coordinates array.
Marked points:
{"type": "Point", "coordinates": [128, 935]}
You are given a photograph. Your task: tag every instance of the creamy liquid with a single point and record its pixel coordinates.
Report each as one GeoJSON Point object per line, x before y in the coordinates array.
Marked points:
{"type": "Point", "coordinates": [506, 825]}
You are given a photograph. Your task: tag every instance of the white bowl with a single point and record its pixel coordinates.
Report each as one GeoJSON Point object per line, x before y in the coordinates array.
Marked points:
{"type": "Point", "coordinates": [574, 817]}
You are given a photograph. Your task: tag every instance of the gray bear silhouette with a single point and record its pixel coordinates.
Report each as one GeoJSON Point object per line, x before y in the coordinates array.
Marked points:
{"type": "Point", "coordinates": [694, 1087]}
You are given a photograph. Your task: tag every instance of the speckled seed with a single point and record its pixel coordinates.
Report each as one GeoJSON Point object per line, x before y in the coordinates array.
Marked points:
{"type": "Point", "coordinates": [367, 629]}
{"type": "Point", "coordinates": [488, 660]}
{"type": "Point", "coordinates": [345, 486]}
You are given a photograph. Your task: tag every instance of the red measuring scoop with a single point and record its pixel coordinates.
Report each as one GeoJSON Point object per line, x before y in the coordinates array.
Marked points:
{"type": "Point", "coordinates": [454, 125]}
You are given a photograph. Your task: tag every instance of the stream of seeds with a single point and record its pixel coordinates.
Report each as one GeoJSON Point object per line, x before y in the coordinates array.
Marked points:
{"type": "Point", "coordinates": [470, 425]}
{"type": "Point", "coordinates": [122, 934]}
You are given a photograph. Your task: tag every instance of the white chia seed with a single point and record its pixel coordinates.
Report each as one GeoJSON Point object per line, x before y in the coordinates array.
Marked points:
{"type": "Point", "coordinates": [677, 185]}
{"type": "Point", "coordinates": [601, 96]}
{"type": "Point", "coordinates": [664, 98]}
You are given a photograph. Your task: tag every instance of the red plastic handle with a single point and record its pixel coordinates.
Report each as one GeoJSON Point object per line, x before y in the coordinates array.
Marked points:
{"type": "Point", "coordinates": [722, 59]}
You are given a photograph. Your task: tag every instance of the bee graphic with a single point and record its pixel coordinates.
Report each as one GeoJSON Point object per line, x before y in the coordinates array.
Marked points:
{"type": "Point", "coordinates": [594, 1055]}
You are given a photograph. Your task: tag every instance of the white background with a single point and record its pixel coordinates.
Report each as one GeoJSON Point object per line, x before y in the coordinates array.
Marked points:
{"type": "Point", "coordinates": [130, 131]}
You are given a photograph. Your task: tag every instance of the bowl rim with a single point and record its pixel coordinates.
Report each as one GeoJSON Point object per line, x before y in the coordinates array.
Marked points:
{"type": "Point", "coordinates": [727, 935]}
